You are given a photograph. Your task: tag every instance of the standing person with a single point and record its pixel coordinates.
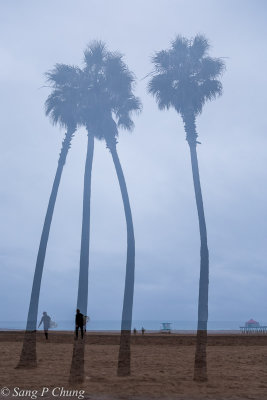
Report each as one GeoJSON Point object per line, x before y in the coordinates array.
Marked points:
{"type": "Point", "coordinates": [46, 321]}
{"type": "Point", "coordinates": [79, 322]}
{"type": "Point", "coordinates": [85, 320]}
{"type": "Point", "coordinates": [143, 330]}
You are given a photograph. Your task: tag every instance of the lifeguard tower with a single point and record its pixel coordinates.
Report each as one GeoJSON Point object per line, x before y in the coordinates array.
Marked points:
{"type": "Point", "coordinates": [165, 327]}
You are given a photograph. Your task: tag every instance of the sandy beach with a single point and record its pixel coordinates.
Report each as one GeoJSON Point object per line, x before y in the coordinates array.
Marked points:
{"type": "Point", "coordinates": [162, 366]}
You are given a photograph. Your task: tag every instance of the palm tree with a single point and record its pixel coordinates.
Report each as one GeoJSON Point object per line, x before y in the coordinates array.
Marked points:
{"type": "Point", "coordinates": [116, 101]}
{"type": "Point", "coordinates": [105, 88]}
{"type": "Point", "coordinates": [184, 78]}
{"type": "Point", "coordinates": [124, 360]}
{"type": "Point", "coordinates": [106, 92]}
{"type": "Point", "coordinates": [62, 107]}
{"type": "Point", "coordinates": [77, 364]}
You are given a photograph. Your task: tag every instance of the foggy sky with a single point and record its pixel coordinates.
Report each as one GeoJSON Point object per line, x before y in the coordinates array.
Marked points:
{"type": "Point", "coordinates": [155, 159]}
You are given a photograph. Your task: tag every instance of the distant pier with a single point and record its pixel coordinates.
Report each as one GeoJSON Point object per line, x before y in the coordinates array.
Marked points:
{"type": "Point", "coordinates": [252, 327]}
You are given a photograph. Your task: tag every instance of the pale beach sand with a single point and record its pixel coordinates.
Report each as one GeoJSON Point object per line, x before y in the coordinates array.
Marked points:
{"type": "Point", "coordinates": [162, 366]}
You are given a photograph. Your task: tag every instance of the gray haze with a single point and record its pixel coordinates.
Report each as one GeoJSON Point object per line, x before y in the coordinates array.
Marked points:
{"type": "Point", "coordinates": [155, 159]}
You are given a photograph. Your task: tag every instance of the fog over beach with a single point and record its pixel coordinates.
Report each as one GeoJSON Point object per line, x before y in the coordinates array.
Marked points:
{"type": "Point", "coordinates": [156, 162]}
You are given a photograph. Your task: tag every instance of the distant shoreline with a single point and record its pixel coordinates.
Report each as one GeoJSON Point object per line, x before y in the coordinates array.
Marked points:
{"type": "Point", "coordinates": [150, 332]}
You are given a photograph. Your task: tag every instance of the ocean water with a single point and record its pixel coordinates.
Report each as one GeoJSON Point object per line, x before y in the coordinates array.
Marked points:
{"type": "Point", "coordinates": [95, 325]}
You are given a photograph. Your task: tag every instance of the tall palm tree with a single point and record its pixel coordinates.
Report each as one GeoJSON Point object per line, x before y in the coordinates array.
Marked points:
{"type": "Point", "coordinates": [124, 360]}
{"type": "Point", "coordinates": [106, 92]}
{"type": "Point", "coordinates": [184, 78]}
{"type": "Point", "coordinates": [77, 363]}
{"type": "Point", "coordinates": [62, 107]}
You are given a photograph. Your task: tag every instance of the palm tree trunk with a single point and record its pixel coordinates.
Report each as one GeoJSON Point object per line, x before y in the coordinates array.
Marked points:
{"type": "Point", "coordinates": [200, 369]}
{"type": "Point", "coordinates": [124, 360]}
{"type": "Point", "coordinates": [85, 238]}
{"type": "Point", "coordinates": [28, 354]}
{"type": "Point", "coordinates": [77, 364]}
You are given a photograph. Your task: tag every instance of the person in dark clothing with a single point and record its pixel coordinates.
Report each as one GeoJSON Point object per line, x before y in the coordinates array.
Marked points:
{"type": "Point", "coordinates": [79, 323]}
{"type": "Point", "coordinates": [46, 321]}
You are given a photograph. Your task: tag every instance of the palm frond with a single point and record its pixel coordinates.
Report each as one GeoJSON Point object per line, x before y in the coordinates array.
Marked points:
{"type": "Point", "coordinates": [62, 74]}
{"type": "Point", "coordinates": [160, 86]}
{"type": "Point", "coordinates": [95, 53]}
{"type": "Point", "coordinates": [126, 122]}
{"type": "Point", "coordinates": [199, 47]}
{"type": "Point", "coordinates": [184, 76]}
{"type": "Point", "coordinates": [211, 89]}
{"type": "Point", "coordinates": [124, 112]}
{"type": "Point", "coordinates": [180, 45]}
{"type": "Point", "coordinates": [161, 61]}
{"type": "Point", "coordinates": [118, 78]}
{"type": "Point", "coordinates": [211, 68]}
{"type": "Point", "coordinates": [62, 104]}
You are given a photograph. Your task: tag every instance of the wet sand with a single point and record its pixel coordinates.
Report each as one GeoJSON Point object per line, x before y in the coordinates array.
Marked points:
{"type": "Point", "coordinates": [162, 366]}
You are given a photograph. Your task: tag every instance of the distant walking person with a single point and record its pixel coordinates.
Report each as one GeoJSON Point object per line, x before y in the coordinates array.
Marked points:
{"type": "Point", "coordinates": [85, 320]}
{"type": "Point", "coordinates": [79, 322]}
{"type": "Point", "coordinates": [46, 321]}
{"type": "Point", "coordinates": [143, 330]}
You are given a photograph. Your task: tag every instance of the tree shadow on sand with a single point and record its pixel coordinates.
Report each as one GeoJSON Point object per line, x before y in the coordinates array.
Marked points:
{"type": "Point", "coordinates": [28, 353]}
{"type": "Point", "coordinates": [124, 361]}
{"type": "Point", "coordinates": [77, 362]}
{"type": "Point", "coordinates": [200, 369]}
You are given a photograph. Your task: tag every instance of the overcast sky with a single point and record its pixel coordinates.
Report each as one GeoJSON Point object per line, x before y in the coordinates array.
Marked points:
{"type": "Point", "coordinates": [155, 157]}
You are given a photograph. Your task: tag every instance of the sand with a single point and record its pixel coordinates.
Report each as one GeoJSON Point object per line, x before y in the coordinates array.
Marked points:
{"type": "Point", "coordinates": [162, 367]}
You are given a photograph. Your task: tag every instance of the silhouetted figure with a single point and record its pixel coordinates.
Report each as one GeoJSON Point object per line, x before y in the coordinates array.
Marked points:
{"type": "Point", "coordinates": [134, 331]}
{"type": "Point", "coordinates": [143, 330]}
{"type": "Point", "coordinates": [79, 322]}
{"type": "Point", "coordinates": [46, 321]}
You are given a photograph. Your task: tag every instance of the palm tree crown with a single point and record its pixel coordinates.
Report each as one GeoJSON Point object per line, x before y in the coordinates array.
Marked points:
{"type": "Point", "coordinates": [62, 105]}
{"type": "Point", "coordinates": [185, 76]}
{"type": "Point", "coordinates": [106, 92]}
{"type": "Point", "coordinates": [95, 95]}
